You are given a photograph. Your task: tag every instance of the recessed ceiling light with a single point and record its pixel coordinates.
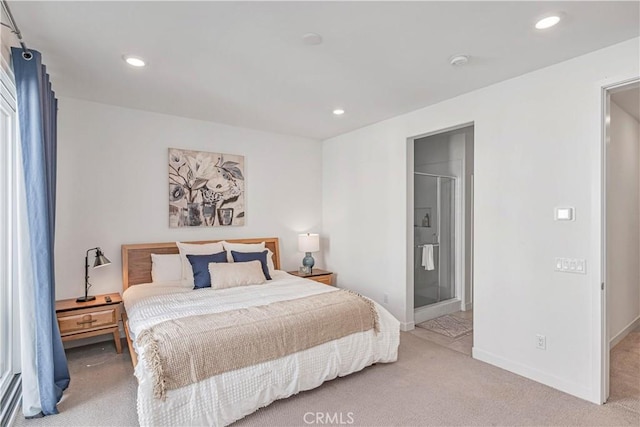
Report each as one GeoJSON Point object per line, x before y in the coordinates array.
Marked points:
{"type": "Point", "coordinates": [312, 39]}
{"type": "Point", "coordinates": [458, 60]}
{"type": "Point", "coordinates": [547, 22]}
{"type": "Point", "coordinates": [134, 61]}
{"type": "Point", "coordinates": [338, 111]}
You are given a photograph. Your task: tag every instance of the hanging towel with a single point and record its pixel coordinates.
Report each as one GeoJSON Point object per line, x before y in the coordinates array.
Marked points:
{"type": "Point", "coordinates": [427, 257]}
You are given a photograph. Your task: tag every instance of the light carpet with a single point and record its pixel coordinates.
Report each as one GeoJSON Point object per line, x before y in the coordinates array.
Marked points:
{"type": "Point", "coordinates": [448, 325]}
{"type": "Point", "coordinates": [624, 386]}
{"type": "Point", "coordinates": [428, 386]}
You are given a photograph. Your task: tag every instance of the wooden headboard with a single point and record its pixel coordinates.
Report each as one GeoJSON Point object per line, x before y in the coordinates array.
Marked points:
{"type": "Point", "coordinates": [136, 259]}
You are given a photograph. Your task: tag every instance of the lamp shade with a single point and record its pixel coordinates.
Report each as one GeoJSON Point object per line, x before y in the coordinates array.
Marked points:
{"type": "Point", "coordinates": [100, 259]}
{"type": "Point", "coordinates": [308, 242]}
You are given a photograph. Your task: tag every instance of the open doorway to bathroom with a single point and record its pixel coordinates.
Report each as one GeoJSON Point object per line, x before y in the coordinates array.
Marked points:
{"type": "Point", "coordinates": [622, 245]}
{"type": "Point", "coordinates": [441, 239]}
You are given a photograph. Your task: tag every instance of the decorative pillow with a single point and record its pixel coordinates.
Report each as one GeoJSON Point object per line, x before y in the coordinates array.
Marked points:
{"type": "Point", "coordinates": [195, 249]}
{"type": "Point", "coordinates": [253, 256]}
{"type": "Point", "coordinates": [200, 265]}
{"type": "Point", "coordinates": [230, 275]}
{"type": "Point", "coordinates": [250, 247]}
{"type": "Point", "coordinates": [166, 268]}
{"type": "Point", "coordinates": [242, 247]}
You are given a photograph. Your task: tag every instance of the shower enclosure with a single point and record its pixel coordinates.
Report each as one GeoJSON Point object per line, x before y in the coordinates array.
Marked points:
{"type": "Point", "coordinates": [434, 224]}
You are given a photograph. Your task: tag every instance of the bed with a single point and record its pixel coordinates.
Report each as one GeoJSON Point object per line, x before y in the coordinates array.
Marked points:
{"type": "Point", "coordinates": [228, 396]}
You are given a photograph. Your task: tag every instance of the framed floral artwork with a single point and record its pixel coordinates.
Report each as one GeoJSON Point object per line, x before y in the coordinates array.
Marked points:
{"type": "Point", "coordinates": [205, 189]}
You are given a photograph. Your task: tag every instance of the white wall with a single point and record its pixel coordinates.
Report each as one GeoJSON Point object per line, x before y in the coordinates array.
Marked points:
{"type": "Point", "coordinates": [537, 146]}
{"type": "Point", "coordinates": [623, 223]}
{"type": "Point", "coordinates": [113, 186]}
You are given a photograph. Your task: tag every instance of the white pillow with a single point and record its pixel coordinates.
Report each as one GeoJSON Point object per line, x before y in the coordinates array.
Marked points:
{"type": "Point", "coordinates": [166, 268]}
{"type": "Point", "coordinates": [194, 249]}
{"type": "Point", "coordinates": [242, 247]}
{"type": "Point", "coordinates": [230, 275]}
{"type": "Point", "coordinates": [250, 247]}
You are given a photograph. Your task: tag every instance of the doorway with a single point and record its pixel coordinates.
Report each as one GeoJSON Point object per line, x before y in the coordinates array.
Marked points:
{"type": "Point", "coordinates": [440, 235]}
{"type": "Point", "coordinates": [621, 247]}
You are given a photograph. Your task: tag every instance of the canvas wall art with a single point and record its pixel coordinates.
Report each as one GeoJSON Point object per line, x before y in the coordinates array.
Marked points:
{"type": "Point", "coordinates": [205, 189]}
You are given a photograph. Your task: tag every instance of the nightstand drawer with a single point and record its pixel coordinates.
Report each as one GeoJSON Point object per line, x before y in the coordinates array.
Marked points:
{"type": "Point", "coordinates": [94, 319]}
{"type": "Point", "coordinates": [326, 279]}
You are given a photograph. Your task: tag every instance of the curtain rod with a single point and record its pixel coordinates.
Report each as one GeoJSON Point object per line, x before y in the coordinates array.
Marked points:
{"type": "Point", "coordinates": [14, 29]}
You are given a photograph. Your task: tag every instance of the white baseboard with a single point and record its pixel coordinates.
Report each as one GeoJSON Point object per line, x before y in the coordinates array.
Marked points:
{"type": "Point", "coordinates": [624, 332]}
{"type": "Point", "coordinates": [535, 375]}
{"type": "Point", "coordinates": [468, 306]}
{"type": "Point", "coordinates": [407, 326]}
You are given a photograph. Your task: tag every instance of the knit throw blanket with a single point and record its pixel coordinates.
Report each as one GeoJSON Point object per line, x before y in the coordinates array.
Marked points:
{"type": "Point", "coordinates": [184, 351]}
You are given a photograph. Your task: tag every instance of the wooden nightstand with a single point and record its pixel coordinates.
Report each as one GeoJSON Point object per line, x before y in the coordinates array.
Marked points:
{"type": "Point", "coordinates": [88, 319]}
{"type": "Point", "coordinates": [322, 276]}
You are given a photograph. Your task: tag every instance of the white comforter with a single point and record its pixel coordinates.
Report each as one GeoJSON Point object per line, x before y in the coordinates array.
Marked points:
{"type": "Point", "coordinates": [225, 398]}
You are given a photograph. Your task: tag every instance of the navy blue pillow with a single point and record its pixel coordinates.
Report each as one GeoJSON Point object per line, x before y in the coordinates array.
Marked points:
{"type": "Point", "coordinates": [253, 256]}
{"type": "Point", "coordinates": [200, 266]}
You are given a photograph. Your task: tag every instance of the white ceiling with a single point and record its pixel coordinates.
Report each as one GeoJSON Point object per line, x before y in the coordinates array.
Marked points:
{"type": "Point", "coordinates": [244, 63]}
{"type": "Point", "coordinates": [629, 101]}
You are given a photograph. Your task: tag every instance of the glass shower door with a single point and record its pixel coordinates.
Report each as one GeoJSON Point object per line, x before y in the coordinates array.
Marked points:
{"type": "Point", "coordinates": [434, 224]}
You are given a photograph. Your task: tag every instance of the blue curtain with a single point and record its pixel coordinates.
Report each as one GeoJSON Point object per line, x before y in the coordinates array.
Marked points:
{"type": "Point", "coordinates": [37, 114]}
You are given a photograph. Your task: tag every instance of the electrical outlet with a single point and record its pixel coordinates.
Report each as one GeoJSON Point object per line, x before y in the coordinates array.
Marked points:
{"type": "Point", "coordinates": [541, 342]}
{"type": "Point", "coordinates": [386, 298]}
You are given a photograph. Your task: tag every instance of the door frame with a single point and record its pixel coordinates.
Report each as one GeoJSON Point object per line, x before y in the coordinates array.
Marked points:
{"type": "Point", "coordinates": [606, 91]}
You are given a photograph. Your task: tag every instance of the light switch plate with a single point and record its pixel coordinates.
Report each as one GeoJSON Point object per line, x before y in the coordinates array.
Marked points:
{"type": "Point", "coordinates": [571, 265]}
